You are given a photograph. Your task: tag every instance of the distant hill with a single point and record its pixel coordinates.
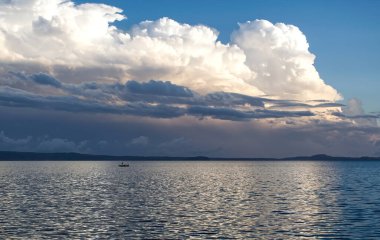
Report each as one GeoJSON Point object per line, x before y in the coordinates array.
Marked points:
{"type": "Point", "coordinates": [323, 157]}
{"type": "Point", "coordinates": [34, 156]}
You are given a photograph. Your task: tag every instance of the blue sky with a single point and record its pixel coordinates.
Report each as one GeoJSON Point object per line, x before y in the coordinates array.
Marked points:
{"type": "Point", "coordinates": [343, 34]}
{"type": "Point", "coordinates": [74, 78]}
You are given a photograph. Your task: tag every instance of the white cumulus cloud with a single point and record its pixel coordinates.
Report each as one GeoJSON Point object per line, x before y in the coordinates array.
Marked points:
{"type": "Point", "coordinates": [78, 43]}
{"type": "Point", "coordinates": [279, 55]}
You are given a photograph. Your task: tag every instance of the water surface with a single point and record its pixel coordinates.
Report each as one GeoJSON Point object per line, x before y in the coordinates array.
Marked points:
{"type": "Point", "coordinates": [226, 199]}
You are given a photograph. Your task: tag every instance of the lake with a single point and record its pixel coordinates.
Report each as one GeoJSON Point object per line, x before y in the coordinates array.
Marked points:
{"type": "Point", "coordinates": [199, 199]}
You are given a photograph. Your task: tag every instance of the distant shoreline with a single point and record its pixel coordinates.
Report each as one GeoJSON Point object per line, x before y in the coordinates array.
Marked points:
{"type": "Point", "coordinates": [71, 156]}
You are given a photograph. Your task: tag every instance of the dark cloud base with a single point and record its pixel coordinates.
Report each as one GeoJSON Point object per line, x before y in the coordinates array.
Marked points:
{"type": "Point", "coordinates": [41, 113]}
{"type": "Point", "coordinates": [156, 99]}
{"type": "Point", "coordinates": [25, 130]}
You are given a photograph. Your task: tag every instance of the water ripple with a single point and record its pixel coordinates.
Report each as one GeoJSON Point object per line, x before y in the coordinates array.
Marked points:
{"type": "Point", "coordinates": [221, 200]}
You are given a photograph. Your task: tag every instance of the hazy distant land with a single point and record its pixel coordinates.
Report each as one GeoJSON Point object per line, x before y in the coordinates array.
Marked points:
{"type": "Point", "coordinates": [71, 156]}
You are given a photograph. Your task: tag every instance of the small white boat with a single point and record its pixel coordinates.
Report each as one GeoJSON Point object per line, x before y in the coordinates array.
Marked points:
{"type": "Point", "coordinates": [123, 164]}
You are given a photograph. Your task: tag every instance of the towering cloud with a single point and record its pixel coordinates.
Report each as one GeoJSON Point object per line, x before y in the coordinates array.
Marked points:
{"type": "Point", "coordinates": [279, 55]}
{"type": "Point", "coordinates": [78, 43]}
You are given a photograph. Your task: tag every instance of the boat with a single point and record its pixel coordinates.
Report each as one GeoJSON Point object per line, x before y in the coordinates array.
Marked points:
{"type": "Point", "coordinates": [123, 164]}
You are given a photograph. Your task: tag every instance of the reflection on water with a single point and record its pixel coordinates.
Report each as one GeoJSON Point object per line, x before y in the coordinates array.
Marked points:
{"type": "Point", "coordinates": [190, 199]}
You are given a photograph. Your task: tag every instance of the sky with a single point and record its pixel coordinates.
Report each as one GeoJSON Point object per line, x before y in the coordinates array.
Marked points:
{"type": "Point", "coordinates": [188, 78]}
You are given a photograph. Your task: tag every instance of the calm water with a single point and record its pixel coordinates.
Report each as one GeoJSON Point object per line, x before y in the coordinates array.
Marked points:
{"type": "Point", "coordinates": [190, 199]}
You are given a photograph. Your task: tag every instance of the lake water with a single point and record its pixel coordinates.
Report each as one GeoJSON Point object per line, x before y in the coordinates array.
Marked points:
{"type": "Point", "coordinates": [226, 199]}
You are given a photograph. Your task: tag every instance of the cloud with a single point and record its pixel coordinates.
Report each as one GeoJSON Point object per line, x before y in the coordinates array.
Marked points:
{"type": "Point", "coordinates": [13, 141]}
{"type": "Point", "coordinates": [158, 88]}
{"type": "Point", "coordinates": [61, 145]}
{"type": "Point", "coordinates": [279, 55]}
{"type": "Point", "coordinates": [162, 99]}
{"type": "Point", "coordinates": [190, 137]}
{"type": "Point", "coordinates": [141, 140]}
{"type": "Point", "coordinates": [43, 144]}
{"type": "Point", "coordinates": [230, 99]}
{"type": "Point", "coordinates": [60, 37]}
{"type": "Point", "coordinates": [151, 99]}
{"type": "Point", "coordinates": [354, 107]}
{"type": "Point", "coordinates": [354, 110]}
{"type": "Point", "coordinates": [172, 145]}
{"type": "Point", "coordinates": [236, 115]}
{"type": "Point", "coordinates": [45, 79]}
{"type": "Point", "coordinates": [68, 65]}
{"type": "Point", "coordinates": [18, 98]}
